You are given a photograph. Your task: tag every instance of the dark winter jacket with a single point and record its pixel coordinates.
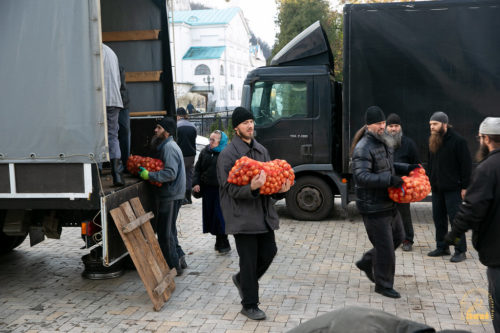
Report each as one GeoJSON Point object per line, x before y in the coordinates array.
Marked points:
{"type": "Point", "coordinates": [205, 170]}
{"type": "Point", "coordinates": [480, 210]}
{"type": "Point", "coordinates": [173, 175]}
{"type": "Point", "coordinates": [186, 137]}
{"type": "Point", "coordinates": [450, 167]}
{"type": "Point", "coordinates": [245, 211]}
{"type": "Point", "coordinates": [407, 152]}
{"type": "Point", "coordinates": [372, 167]}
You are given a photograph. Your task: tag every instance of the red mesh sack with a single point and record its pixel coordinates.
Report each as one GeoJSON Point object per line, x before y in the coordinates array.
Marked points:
{"type": "Point", "coordinates": [148, 163]}
{"type": "Point", "coordinates": [415, 188]}
{"type": "Point", "coordinates": [277, 172]}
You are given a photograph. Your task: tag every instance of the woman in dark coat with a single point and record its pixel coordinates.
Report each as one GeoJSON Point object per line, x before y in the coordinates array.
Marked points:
{"type": "Point", "coordinates": [205, 182]}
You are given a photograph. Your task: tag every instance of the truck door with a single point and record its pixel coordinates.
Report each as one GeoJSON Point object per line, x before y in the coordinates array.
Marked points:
{"type": "Point", "coordinates": [283, 118]}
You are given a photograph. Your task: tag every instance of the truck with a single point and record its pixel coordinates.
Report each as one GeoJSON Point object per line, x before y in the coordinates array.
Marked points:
{"type": "Point", "coordinates": [53, 131]}
{"type": "Point", "coordinates": [408, 58]}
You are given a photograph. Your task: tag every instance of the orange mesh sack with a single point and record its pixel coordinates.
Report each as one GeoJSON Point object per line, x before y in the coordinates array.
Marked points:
{"type": "Point", "coordinates": [148, 163]}
{"type": "Point", "coordinates": [415, 188]}
{"type": "Point", "coordinates": [277, 171]}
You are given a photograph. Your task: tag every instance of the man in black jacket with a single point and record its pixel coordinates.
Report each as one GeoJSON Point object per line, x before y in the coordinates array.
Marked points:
{"type": "Point", "coordinates": [374, 171]}
{"type": "Point", "coordinates": [481, 211]}
{"type": "Point", "coordinates": [405, 151]}
{"type": "Point", "coordinates": [186, 139]}
{"type": "Point", "coordinates": [249, 216]}
{"type": "Point", "coordinates": [449, 172]}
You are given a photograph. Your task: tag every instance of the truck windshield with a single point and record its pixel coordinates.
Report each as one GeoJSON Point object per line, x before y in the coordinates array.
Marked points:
{"type": "Point", "coordinates": [275, 100]}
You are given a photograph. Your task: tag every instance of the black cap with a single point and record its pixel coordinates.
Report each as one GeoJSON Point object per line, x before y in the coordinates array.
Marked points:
{"type": "Point", "coordinates": [181, 111]}
{"type": "Point", "coordinates": [240, 114]}
{"type": "Point", "coordinates": [168, 125]}
{"type": "Point", "coordinates": [393, 119]}
{"type": "Point", "coordinates": [373, 115]}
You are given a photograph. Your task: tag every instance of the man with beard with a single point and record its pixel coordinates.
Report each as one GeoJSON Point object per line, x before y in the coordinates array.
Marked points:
{"type": "Point", "coordinates": [374, 171]}
{"type": "Point", "coordinates": [249, 216]}
{"type": "Point", "coordinates": [449, 172]}
{"type": "Point", "coordinates": [170, 194]}
{"type": "Point", "coordinates": [405, 151]}
{"type": "Point", "coordinates": [481, 211]}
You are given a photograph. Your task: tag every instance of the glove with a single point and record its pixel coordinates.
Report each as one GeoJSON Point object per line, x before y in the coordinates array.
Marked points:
{"type": "Point", "coordinates": [396, 181]}
{"type": "Point", "coordinates": [144, 174]}
{"type": "Point", "coordinates": [412, 167]}
{"type": "Point", "coordinates": [452, 238]}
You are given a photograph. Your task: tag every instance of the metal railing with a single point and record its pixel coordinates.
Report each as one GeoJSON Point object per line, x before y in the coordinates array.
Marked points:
{"type": "Point", "coordinates": [203, 121]}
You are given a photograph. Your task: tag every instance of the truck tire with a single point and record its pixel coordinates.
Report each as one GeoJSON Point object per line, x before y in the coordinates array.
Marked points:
{"type": "Point", "coordinates": [310, 199]}
{"type": "Point", "coordinates": [9, 243]}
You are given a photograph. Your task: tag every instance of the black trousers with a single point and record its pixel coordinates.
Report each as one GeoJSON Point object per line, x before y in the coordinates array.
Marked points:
{"type": "Point", "coordinates": [445, 206]}
{"type": "Point", "coordinates": [166, 229]}
{"type": "Point", "coordinates": [493, 274]}
{"type": "Point", "coordinates": [404, 211]}
{"type": "Point", "coordinates": [256, 254]}
{"type": "Point", "coordinates": [386, 233]}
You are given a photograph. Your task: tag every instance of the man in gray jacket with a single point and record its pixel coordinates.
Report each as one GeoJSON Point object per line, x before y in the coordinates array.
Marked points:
{"type": "Point", "coordinates": [171, 193]}
{"type": "Point", "coordinates": [249, 216]}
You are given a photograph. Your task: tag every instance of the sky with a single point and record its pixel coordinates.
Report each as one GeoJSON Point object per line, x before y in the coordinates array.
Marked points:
{"type": "Point", "coordinates": [260, 15]}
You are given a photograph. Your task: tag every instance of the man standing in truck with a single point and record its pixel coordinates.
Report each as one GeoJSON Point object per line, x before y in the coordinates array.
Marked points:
{"type": "Point", "coordinates": [249, 216]}
{"type": "Point", "coordinates": [481, 211]}
{"type": "Point", "coordinates": [405, 151]}
{"type": "Point", "coordinates": [171, 193]}
{"type": "Point", "coordinates": [374, 171]}
{"type": "Point", "coordinates": [449, 172]}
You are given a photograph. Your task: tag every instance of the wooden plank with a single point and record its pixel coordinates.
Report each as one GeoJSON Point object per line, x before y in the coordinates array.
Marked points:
{"type": "Point", "coordinates": [146, 76]}
{"type": "Point", "coordinates": [145, 252]}
{"type": "Point", "coordinates": [148, 113]}
{"type": "Point", "coordinates": [138, 222]}
{"type": "Point", "coordinates": [151, 238]}
{"type": "Point", "coordinates": [122, 36]}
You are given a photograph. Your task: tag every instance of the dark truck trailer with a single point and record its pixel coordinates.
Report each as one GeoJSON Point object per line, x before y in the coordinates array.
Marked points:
{"type": "Point", "coordinates": [408, 58]}
{"type": "Point", "coordinates": [53, 117]}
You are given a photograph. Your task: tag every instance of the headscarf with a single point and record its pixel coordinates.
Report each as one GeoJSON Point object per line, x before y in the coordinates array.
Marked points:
{"type": "Point", "coordinates": [222, 142]}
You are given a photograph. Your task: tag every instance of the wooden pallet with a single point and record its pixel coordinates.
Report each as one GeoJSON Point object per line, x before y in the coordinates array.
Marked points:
{"type": "Point", "coordinates": [135, 229]}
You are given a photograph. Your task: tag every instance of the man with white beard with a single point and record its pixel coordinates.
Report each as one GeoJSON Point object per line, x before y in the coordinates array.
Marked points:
{"type": "Point", "coordinates": [405, 151]}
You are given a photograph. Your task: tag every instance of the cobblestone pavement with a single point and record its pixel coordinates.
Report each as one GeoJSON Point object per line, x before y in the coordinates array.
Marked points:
{"type": "Point", "coordinates": [41, 288]}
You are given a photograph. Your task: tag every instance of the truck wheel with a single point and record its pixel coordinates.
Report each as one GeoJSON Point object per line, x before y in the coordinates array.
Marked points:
{"type": "Point", "coordinates": [9, 243]}
{"type": "Point", "coordinates": [310, 199]}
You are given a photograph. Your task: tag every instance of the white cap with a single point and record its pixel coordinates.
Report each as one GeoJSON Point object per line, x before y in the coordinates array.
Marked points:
{"type": "Point", "coordinates": [490, 125]}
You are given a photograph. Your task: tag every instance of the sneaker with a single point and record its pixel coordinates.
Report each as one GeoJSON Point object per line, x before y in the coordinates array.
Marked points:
{"type": "Point", "coordinates": [237, 284]}
{"type": "Point", "coordinates": [458, 257]}
{"type": "Point", "coordinates": [182, 262]}
{"type": "Point", "coordinates": [439, 252]}
{"type": "Point", "coordinates": [254, 313]}
{"type": "Point", "coordinates": [387, 292]}
{"type": "Point", "coordinates": [407, 245]}
{"type": "Point", "coordinates": [365, 268]}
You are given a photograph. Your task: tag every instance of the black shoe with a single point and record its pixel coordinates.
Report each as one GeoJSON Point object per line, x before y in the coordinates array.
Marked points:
{"type": "Point", "coordinates": [458, 257]}
{"type": "Point", "coordinates": [116, 172]}
{"type": "Point", "coordinates": [254, 313]}
{"type": "Point", "coordinates": [387, 292]}
{"type": "Point", "coordinates": [407, 245]}
{"type": "Point", "coordinates": [179, 270]}
{"type": "Point", "coordinates": [182, 262]}
{"type": "Point", "coordinates": [237, 284]}
{"type": "Point", "coordinates": [224, 250]}
{"type": "Point", "coordinates": [439, 252]}
{"type": "Point", "coordinates": [365, 268]}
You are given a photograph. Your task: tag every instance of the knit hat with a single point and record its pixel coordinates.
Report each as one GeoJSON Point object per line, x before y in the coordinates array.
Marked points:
{"type": "Point", "coordinates": [181, 111]}
{"type": "Point", "coordinates": [240, 114]}
{"type": "Point", "coordinates": [393, 119]}
{"type": "Point", "coordinates": [440, 116]}
{"type": "Point", "coordinates": [168, 125]}
{"type": "Point", "coordinates": [373, 115]}
{"type": "Point", "coordinates": [490, 125]}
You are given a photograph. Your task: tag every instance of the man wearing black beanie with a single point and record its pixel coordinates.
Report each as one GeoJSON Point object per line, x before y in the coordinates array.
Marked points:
{"type": "Point", "coordinates": [249, 216]}
{"type": "Point", "coordinates": [374, 171]}
{"type": "Point", "coordinates": [405, 151]}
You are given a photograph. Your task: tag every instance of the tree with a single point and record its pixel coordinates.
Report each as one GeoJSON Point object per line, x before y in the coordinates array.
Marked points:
{"type": "Point", "coordinates": [217, 124]}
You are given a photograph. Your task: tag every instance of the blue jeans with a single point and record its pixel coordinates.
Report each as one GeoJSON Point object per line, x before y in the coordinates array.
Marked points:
{"type": "Point", "coordinates": [124, 134]}
{"type": "Point", "coordinates": [112, 114]}
{"type": "Point", "coordinates": [445, 206]}
{"type": "Point", "coordinates": [167, 232]}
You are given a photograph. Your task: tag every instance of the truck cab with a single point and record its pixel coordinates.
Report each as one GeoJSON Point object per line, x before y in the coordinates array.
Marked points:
{"type": "Point", "coordinates": [296, 103]}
